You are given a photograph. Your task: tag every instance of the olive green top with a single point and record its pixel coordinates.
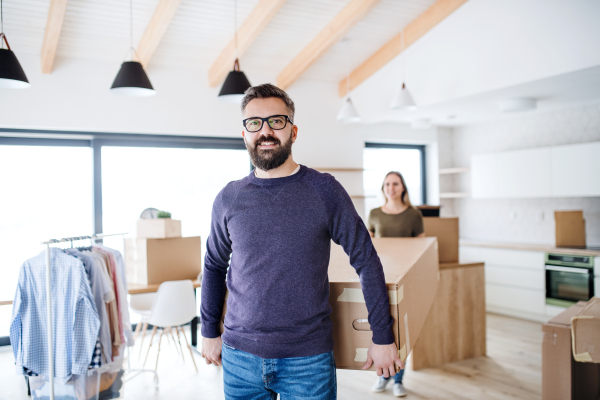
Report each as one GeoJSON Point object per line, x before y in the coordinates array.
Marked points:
{"type": "Point", "coordinates": [409, 223]}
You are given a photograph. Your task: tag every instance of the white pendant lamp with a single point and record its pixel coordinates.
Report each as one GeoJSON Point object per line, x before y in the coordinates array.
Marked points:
{"type": "Point", "coordinates": [12, 75]}
{"type": "Point", "coordinates": [236, 83]}
{"type": "Point", "coordinates": [348, 113]}
{"type": "Point", "coordinates": [132, 79]}
{"type": "Point", "coordinates": [403, 99]}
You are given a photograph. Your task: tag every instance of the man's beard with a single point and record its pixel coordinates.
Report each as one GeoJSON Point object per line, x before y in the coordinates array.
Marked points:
{"type": "Point", "coordinates": [268, 159]}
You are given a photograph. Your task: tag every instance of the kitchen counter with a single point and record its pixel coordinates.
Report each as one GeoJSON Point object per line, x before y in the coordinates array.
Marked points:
{"type": "Point", "coordinates": [455, 326]}
{"type": "Point", "coordinates": [546, 248]}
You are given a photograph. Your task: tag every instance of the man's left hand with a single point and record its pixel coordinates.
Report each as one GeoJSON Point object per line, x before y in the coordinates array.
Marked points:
{"type": "Point", "coordinates": [385, 358]}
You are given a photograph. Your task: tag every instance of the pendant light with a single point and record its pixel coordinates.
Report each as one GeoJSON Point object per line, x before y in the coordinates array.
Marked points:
{"type": "Point", "coordinates": [348, 112]}
{"type": "Point", "coordinates": [236, 83]}
{"type": "Point", "coordinates": [11, 74]}
{"type": "Point", "coordinates": [132, 79]}
{"type": "Point", "coordinates": [403, 99]}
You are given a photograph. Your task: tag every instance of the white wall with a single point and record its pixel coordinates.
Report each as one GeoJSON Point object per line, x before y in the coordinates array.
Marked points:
{"type": "Point", "coordinates": [76, 96]}
{"type": "Point", "coordinates": [523, 220]}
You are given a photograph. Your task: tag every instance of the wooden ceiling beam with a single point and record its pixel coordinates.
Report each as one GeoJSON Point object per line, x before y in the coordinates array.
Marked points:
{"type": "Point", "coordinates": [412, 32]}
{"type": "Point", "coordinates": [258, 19]}
{"type": "Point", "coordinates": [331, 34]}
{"type": "Point", "coordinates": [156, 29]}
{"type": "Point", "coordinates": [54, 23]}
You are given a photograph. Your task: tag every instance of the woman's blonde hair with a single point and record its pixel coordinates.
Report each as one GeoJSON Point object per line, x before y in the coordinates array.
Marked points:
{"type": "Point", "coordinates": [404, 197]}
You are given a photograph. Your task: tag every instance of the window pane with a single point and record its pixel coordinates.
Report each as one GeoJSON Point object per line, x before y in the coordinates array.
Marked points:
{"type": "Point", "coordinates": [184, 182]}
{"type": "Point", "coordinates": [378, 162]}
{"type": "Point", "coordinates": [46, 194]}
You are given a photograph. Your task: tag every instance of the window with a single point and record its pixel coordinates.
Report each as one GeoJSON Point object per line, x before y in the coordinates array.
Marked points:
{"type": "Point", "coordinates": [46, 193]}
{"type": "Point", "coordinates": [184, 182]}
{"type": "Point", "coordinates": [380, 158]}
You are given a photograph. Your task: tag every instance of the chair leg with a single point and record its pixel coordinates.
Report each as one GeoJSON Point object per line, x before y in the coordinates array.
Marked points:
{"type": "Point", "coordinates": [143, 336]}
{"type": "Point", "coordinates": [162, 332]}
{"type": "Point", "coordinates": [138, 328]}
{"type": "Point", "coordinates": [189, 347]}
{"type": "Point", "coordinates": [152, 338]}
{"type": "Point", "coordinates": [179, 341]}
{"type": "Point", "coordinates": [173, 338]}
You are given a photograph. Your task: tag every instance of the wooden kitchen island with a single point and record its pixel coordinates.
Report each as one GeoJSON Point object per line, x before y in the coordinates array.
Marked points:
{"type": "Point", "coordinates": [455, 326]}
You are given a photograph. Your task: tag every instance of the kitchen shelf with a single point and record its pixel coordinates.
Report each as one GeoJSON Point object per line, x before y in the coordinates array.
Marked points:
{"type": "Point", "coordinates": [340, 169]}
{"type": "Point", "coordinates": [453, 195]}
{"type": "Point", "coordinates": [360, 196]}
{"type": "Point", "coordinates": [5, 303]}
{"type": "Point", "coordinates": [457, 170]}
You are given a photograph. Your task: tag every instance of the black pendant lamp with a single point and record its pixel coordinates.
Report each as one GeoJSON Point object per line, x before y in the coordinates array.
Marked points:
{"type": "Point", "coordinates": [236, 83]}
{"type": "Point", "coordinates": [11, 74]}
{"type": "Point", "coordinates": [132, 79]}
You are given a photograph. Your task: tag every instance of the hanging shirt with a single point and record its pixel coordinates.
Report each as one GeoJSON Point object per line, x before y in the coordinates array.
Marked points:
{"type": "Point", "coordinates": [111, 302]}
{"type": "Point", "coordinates": [99, 291]}
{"type": "Point", "coordinates": [121, 301]}
{"type": "Point", "coordinates": [75, 321]}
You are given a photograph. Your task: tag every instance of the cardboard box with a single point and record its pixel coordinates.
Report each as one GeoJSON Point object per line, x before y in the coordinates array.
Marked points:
{"type": "Point", "coordinates": [158, 228]}
{"type": "Point", "coordinates": [585, 333]}
{"type": "Point", "coordinates": [411, 273]}
{"type": "Point", "coordinates": [562, 377]}
{"type": "Point", "coordinates": [446, 230]}
{"type": "Point", "coordinates": [569, 228]}
{"type": "Point", "coordinates": [154, 261]}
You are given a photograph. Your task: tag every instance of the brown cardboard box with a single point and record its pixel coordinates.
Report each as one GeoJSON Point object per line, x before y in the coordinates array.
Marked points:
{"type": "Point", "coordinates": [585, 333]}
{"type": "Point", "coordinates": [411, 273]}
{"type": "Point", "coordinates": [562, 377]}
{"type": "Point", "coordinates": [152, 261]}
{"type": "Point", "coordinates": [158, 228]}
{"type": "Point", "coordinates": [446, 230]}
{"type": "Point", "coordinates": [569, 228]}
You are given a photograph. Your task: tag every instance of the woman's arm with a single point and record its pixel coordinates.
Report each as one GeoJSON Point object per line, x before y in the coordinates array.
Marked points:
{"type": "Point", "coordinates": [372, 234]}
{"type": "Point", "coordinates": [421, 235]}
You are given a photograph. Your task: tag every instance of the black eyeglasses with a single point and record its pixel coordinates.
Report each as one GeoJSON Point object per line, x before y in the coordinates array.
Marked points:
{"type": "Point", "coordinates": [276, 122]}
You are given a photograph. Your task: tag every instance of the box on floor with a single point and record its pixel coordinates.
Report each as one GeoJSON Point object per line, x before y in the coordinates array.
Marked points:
{"type": "Point", "coordinates": [562, 377]}
{"type": "Point", "coordinates": [446, 231]}
{"type": "Point", "coordinates": [411, 272]}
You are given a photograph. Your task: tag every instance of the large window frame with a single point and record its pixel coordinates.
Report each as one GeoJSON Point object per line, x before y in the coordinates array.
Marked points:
{"type": "Point", "coordinates": [95, 141]}
{"type": "Point", "coordinates": [420, 147]}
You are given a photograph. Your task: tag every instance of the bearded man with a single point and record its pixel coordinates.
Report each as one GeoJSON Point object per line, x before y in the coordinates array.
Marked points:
{"type": "Point", "coordinates": [276, 227]}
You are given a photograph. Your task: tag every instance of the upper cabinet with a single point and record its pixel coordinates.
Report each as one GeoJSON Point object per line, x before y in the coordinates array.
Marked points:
{"type": "Point", "coordinates": [561, 171]}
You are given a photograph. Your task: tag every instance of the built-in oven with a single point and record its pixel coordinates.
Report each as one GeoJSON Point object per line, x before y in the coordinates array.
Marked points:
{"type": "Point", "coordinates": [569, 279]}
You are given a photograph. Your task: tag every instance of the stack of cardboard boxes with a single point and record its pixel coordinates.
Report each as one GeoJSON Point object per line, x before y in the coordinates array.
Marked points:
{"type": "Point", "coordinates": [160, 254]}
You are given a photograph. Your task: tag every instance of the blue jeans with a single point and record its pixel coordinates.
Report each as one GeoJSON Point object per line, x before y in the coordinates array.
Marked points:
{"type": "Point", "coordinates": [247, 377]}
{"type": "Point", "coordinates": [398, 376]}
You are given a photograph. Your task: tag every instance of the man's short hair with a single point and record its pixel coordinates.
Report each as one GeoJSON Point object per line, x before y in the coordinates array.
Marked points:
{"type": "Point", "coordinates": [266, 91]}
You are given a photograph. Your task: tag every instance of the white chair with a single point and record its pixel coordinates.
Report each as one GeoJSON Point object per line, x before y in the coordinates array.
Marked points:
{"type": "Point", "coordinates": [175, 305]}
{"type": "Point", "coordinates": [142, 304]}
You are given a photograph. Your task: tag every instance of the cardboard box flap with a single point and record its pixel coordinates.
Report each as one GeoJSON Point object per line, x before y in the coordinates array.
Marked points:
{"type": "Point", "coordinates": [564, 318]}
{"type": "Point", "coordinates": [585, 332]}
{"type": "Point", "coordinates": [397, 255]}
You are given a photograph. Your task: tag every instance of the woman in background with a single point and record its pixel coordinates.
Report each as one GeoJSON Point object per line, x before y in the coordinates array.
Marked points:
{"type": "Point", "coordinates": [397, 218]}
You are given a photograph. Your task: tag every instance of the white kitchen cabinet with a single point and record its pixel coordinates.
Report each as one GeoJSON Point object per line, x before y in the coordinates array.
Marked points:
{"type": "Point", "coordinates": [515, 277]}
{"type": "Point", "coordinates": [597, 286]}
{"type": "Point", "coordinates": [559, 171]}
{"type": "Point", "coordinates": [576, 170]}
{"type": "Point", "coordinates": [597, 267]}
{"type": "Point", "coordinates": [515, 301]}
{"type": "Point", "coordinates": [534, 260]}
{"type": "Point", "coordinates": [484, 176]}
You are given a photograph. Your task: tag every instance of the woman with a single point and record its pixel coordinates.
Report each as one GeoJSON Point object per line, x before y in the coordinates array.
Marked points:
{"type": "Point", "coordinates": [397, 218]}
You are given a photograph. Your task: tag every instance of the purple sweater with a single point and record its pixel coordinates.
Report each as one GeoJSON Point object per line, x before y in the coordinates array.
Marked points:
{"type": "Point", "coordinates": [278, 233]}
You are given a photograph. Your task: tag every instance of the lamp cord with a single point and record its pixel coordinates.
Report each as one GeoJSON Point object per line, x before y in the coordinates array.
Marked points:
{"type": "Point", "coordinates": [1, 21]}
{"type": "Point", "coordinates": [131, 27]}
{"type": "Point", "coordinates": [235, 27]}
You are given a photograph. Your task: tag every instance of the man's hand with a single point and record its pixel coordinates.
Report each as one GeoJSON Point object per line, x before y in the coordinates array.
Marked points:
{"type": "Point", "coordinates": [211, 350]}
{"type": "Point", "coordinates": [385, 358]}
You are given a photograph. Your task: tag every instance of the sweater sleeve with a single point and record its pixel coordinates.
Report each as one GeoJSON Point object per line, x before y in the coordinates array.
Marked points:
{"type": "Point", "coordinates": [216, 262]}
{"type": "Point", "coordinates": [348, 230]}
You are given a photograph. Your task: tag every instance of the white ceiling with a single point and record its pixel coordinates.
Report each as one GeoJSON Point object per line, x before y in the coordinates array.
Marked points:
{"type": "Point", "coordinates": [200, 29]}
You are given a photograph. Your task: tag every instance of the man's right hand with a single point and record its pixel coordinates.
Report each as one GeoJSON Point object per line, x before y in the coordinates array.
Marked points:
{"type": "Point", "coordinates": [211, 350]}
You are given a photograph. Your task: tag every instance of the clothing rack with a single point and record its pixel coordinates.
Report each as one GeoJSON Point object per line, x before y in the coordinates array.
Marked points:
{"type": "Point", "coordinates": [49, 305]}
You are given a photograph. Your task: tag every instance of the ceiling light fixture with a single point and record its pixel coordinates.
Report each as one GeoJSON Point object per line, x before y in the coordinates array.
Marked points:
{"type": "Point", "coordinates": [517, 104]}
{"type": "Point", "coordinates": [236, 83]}
{"type": "Point", "coordinates": [132, 79]}
{"type": "Point", "coordinates": [403, 99]}
{"type": "Point", "coordinates": [348, 113]}
{"type": "Point", "coordinates": [12, 75]}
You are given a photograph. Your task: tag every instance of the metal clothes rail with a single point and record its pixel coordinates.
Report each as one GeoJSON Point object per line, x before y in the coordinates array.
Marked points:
{"type": "Point", "coordinates": [49, 304]}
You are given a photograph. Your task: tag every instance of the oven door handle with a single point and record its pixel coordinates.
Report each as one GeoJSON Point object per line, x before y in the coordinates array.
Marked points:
{"type": "Point", "coordinates": [567, 269]}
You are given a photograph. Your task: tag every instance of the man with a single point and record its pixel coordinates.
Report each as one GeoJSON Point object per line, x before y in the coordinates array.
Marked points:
{"type": "Point", "coordinates": [277, 225]}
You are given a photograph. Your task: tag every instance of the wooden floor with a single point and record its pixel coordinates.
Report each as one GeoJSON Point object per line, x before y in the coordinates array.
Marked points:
{"type": "Point", "coordinates": [512, 370]}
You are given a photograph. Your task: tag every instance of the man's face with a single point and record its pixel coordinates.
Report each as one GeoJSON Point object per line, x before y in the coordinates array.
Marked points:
{"type": "Point", "coordinates": [269, 148]}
